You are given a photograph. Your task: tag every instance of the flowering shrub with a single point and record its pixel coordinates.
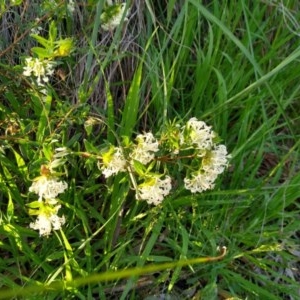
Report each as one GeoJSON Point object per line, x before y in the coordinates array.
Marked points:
{"type": "Point", "coordinates": [98, 189]}
{"type": "Point", "coordinates": [196, 148]}
{"type": "Point", "coordinates": [192, 149]}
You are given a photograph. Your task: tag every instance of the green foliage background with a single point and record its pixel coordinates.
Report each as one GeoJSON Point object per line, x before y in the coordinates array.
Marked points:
{"type": "Point", "coordinates": [231, 64]}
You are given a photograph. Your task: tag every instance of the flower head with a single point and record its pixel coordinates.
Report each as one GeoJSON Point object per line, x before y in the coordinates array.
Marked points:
{"type": "Point", "coordinates": [48, 220]}
{"type": "Point", "coordinates": [216, 160]}
{"type": "Point", "coordinates": [197, 133]}
{"type": "Point", "coordinates": [154, 190]}
{"type": "Point", "coordinates": [145, 148]}
{"type": "Point", "coordinates": [113, 162]}
{"type": "Point", "coordinates": [39, 68]}
{"type": "Point", "coordinates": [200, 181]}
{"type": "Point", "coordinates": [48, 187]}
{"type": "Point", "coordinates": [213, 163]}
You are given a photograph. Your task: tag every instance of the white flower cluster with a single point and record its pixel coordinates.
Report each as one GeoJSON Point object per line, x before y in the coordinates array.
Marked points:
{"type": "Point", "coordinates": [47, 187]}
{"type": "Point", "coordinates": [194, 142]}
{"type": "Point", "coordinates": [199, 134]}
{"type": "Point", "coordinates": [48, 220]}
{"type": "Point", "coordinates": [112, 17]}
{"type": "Point", "coordinates": [146, 146]}
{"type": "Point", "coordinates": [155, 190]}
{"type": "Point", "coordinates": [214, 158]}
{"type": "Point", "coordinates": [213, 164]}
{"type": "Point", "coordinates": [113, 162]}
{"type": "Point", "coordinates": [41, 69]}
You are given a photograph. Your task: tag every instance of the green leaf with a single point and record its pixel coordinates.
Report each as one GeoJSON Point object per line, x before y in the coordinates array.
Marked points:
{"type": "Point", "coordinates": [132, 104]}
{"type": "Point", "coordinates": [110, 114]}
{"type": "Point", "coordinates": [15, 2]}
{"type": "Point", "coordinates": [89, 147]}
{"type": "Point", "coordinates": [34, 204]}
{"type": "Point", "coordinates": [139, 168]}
{"type": "Point", "coordinates": [52, 33]}
{"type": "Point", "coordinates": [44, 124]}
{"type": "Point", "coordinates": [10, 207]}
{"type": "Point", "coordinates": [44, 42]}
{"type": "Point", "coordinates": [42, 53]}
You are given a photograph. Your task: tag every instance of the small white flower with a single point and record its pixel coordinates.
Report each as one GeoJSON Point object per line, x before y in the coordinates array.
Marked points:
{"type": "Point", "coordinates": [57, 221]}
{"type": "Point", "coordinates": [200, 134]}
{"type": "Point", "coordinates": [113, 162]}
{"type": "Point", "coordinates": [36, 30]}
{"type": "Point", "coordinates": [48, 187]}
{"type": "Point", "coordinates": [200, 182]}
{"type": "Point", "coordinates": [154, 190]}
{"type": "Point", "coordinates": [144, 150]}
{"type": "Point", "coordinates": [45, 223]}
{"type": "Point", "coordinates": [29, 66]}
